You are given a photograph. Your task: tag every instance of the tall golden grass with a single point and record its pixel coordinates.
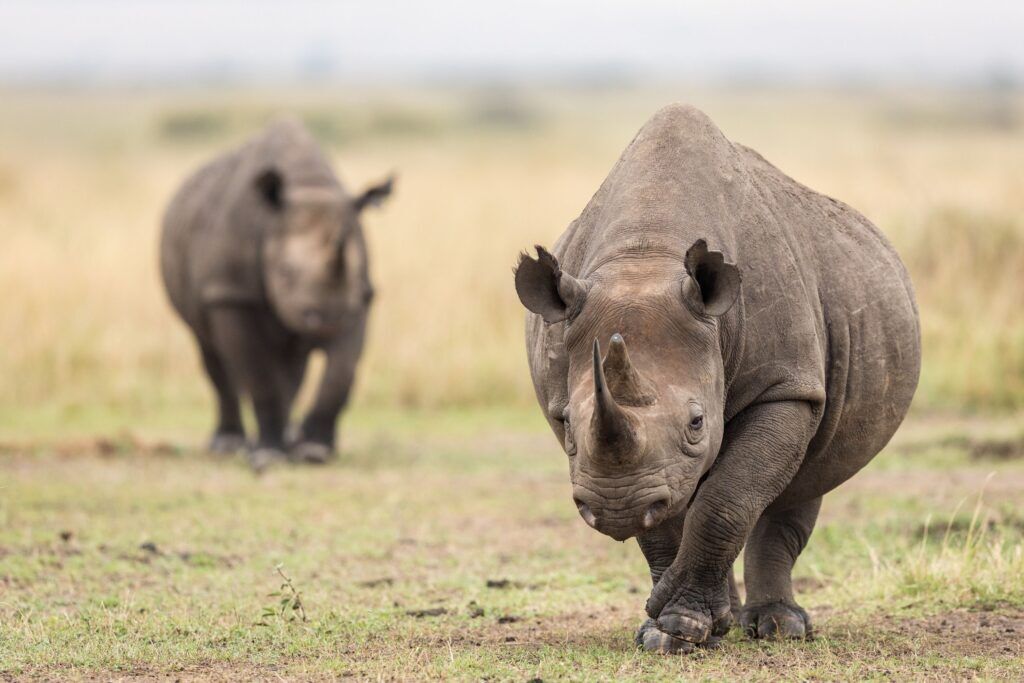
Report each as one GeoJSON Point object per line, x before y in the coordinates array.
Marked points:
{"type": "Point", "coordinates": [84, 178]}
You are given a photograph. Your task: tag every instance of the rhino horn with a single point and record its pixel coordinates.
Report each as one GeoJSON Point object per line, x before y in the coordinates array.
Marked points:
{"type": "Point", "coordinates": [626, 384]}
{"type": "Point", "coordinates": [612, 432]}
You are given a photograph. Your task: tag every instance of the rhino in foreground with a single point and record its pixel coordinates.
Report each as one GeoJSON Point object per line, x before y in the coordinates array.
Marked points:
{"type": "Point", "coordinates": [263, 256]}
{"type": "Point", "coordinates": [716, 346]}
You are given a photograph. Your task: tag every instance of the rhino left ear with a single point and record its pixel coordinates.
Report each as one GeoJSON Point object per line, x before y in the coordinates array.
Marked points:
{"type": "Point", "coordinates": [269, 185]}
{"type": "Point", "coordinates": [713, 284]}
{"type": "Point", "coordinates": [375, 194]}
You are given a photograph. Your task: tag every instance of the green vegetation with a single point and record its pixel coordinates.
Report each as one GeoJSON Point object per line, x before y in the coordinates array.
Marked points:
{"type": "Point", "coordinates": [447, 546]}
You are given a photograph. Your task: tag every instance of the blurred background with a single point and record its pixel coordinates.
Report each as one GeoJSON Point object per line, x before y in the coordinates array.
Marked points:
{"type": "Point", "coordinates": [501, 123]}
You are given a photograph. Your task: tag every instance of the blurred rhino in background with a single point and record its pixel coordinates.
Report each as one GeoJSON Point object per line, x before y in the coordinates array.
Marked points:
{"type": "Point", "coordinates": [773, 349]}
{"type": "Point", "coordinates": [263, 256]}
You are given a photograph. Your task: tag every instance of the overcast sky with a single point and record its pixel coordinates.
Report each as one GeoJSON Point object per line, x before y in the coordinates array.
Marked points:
{"type": "Point", "coordinates": [149, 41]}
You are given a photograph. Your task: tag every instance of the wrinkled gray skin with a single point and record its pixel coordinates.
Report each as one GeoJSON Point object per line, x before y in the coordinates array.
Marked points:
{"type": "Point", "coordinates": [263, 256]}
{"type": "Point", "coordinates": [762, 345]}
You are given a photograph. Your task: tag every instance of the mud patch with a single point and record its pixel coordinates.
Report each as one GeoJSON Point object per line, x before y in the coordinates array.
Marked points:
{"type": "Point", "coordinates": [997, 450]}
{"type": "Point", "coordinates": [966, 632]}
{"type": "Point", "coordinates": [424, 613]}
{"type": "Point", "coordinates": [977, 448]}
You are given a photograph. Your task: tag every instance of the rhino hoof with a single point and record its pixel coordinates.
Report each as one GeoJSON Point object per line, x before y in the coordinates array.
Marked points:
{"type": "Point", "coordinates": [227, 444]}
{"type": "Point", "coordinates": [652, 639]}
{"type": "Point", "coordinates": [311, 452]}
{"type": "Point", "coordinates": [776, 621]}
{"type": "Point", "coordinates": [263, 457]}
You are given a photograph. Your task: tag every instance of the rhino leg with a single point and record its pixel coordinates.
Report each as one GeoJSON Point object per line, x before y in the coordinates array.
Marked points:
{"type": "Point", "coordinates": [241, 339]}
{"type": "Point", "coordinates": [776, 542]}
{"type": "Point", "coordinates": [660, 547]}
{"type": "Point", "coordinates": [294, 371]}
{"type": "Point", "coordinates": [229, 435]}
{"type": "Point", "coordinates": [317, 435]}
{"type": "Point", "coordinates": [691, 601]}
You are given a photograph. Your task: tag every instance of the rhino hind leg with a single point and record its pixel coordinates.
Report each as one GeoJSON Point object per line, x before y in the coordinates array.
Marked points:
{"type": "Point", "coordinates": [229, 434]}
{"type": "Point", "coordinates": [777, 540]}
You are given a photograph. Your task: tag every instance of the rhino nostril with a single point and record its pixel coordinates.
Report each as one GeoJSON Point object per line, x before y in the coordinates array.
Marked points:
{"type": "Point", "coordinates": [655, 513]}
{"type": "Point", "coordinates": [586, 513]}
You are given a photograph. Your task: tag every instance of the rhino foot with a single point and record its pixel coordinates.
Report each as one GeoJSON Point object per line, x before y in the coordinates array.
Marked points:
{"type": "Point", "coordinates": [776, 621]}
{"type": "Point", "coordinates": [652, 639]}
{"type": "Point", "coordinates": [227, 443]}
{"type": "Point", "coordinates": [262, 457]}
{"type": "Point", "coordinates": [311, 452]}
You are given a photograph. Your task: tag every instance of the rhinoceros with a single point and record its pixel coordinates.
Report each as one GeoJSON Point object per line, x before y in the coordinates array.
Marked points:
{"type": "Point", "coordinates": [263, 257]}
{"type": "Point", "coordinates": [716, 347]}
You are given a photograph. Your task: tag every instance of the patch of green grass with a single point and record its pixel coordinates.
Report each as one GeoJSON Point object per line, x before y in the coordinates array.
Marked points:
{"type": "Point", "coordinates": [447, 546]}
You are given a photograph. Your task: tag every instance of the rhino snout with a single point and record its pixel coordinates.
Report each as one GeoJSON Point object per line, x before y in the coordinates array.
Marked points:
{"type": "Point", "coordinates": [622, 521]}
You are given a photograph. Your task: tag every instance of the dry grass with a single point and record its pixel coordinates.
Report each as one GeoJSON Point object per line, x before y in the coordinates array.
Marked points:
{"type": "Point", "coordinates": [452, 551]}
{"type": "Point", "coordinates": [84, 177]}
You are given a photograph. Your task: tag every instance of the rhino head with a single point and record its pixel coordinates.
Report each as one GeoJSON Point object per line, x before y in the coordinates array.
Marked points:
{"type": "Point", "coordinates": [314, 257]}
{"type": "Point", "coordinates": [644, 420]}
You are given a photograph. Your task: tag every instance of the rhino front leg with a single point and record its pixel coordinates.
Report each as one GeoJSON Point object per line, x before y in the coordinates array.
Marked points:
{"type": "Point", "coordinates": [252, 364]}
{"type": "Point", "coordinates": [691, 603]}
{"type": "Point", "coordinates": [777, 540]}
{"type": "Point", "coordinates": [317, 434]}
{"type": "Point", "coordinates": [229, 434]}
{"type": "Point", "coordinates": [660, 547]}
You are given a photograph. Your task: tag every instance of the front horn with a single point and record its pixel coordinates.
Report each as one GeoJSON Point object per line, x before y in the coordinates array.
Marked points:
{"type": "Point", "coordinates": [610, 427]}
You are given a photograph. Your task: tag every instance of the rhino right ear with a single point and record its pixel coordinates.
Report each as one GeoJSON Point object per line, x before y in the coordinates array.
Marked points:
{"type": "Point", "coordinates": [270, 186]}
{"type": "Point", "coordinates": [545, 290]}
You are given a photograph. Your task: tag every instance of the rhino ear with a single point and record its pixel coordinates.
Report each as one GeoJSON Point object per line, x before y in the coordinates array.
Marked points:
{"type": "Point", "coordinates": [375, 195]}
{"type": "Point", "coordinates": [270, 186]}
{"type": "Point", "coordinates": [545, 290]}
{"type": "Point", "coordinates": [713, 284]}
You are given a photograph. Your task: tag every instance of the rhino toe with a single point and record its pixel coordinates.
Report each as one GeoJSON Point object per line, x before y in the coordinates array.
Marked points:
{"type": "Point", "coordinates": [776, 621]}
{"type": "Point", "coordinates": [311, 452]}
{"type": "Point", "coordinates": [227, 443]}
{"type": "Point", "coordinates": [263, 457]}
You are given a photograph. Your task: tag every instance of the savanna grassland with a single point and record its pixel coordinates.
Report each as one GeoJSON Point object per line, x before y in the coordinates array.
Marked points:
{"type": "Point", "coordinates": [443, 542]}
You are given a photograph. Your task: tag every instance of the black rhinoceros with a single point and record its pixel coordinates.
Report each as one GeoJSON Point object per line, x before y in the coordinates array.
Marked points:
{"type": "Point", "coordinates": [263, 256]}
{"type": "Point", "coordinates": [773, 349]}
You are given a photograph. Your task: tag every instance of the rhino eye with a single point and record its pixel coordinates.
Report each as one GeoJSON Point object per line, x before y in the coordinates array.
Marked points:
{"type": "Point", "coordinates": [570, 442]}
{"type": "Point", "coordinates": [697, 423]}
